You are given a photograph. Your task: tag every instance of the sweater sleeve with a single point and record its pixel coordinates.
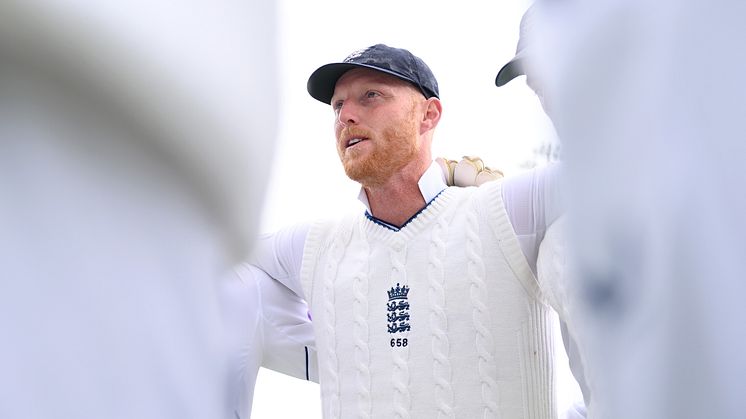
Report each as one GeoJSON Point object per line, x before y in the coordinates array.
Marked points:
{"type": "Point", "coordinates": [265, 324]}
{"type": "Point", "coordinates": [288, 339]}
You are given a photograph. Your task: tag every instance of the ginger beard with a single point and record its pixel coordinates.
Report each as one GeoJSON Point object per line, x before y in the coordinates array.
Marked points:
{"type": "Point", "coordinates": [393, 149]}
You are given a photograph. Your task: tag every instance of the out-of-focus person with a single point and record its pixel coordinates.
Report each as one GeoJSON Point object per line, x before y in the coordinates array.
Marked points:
{"type": "Point", "coordinates": [553, 269]}
{"type": "Point", "coordinates": [135, 138]}
{"type": "Point", "coordinates": [648, 99]}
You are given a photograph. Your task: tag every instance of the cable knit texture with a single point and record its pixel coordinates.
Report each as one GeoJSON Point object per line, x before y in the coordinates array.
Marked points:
{"type": "Point", "coordinates": [361, 336]}
{"type": "Point", "coordinates": [478, 294]}
{"type": "Point", "coordinates": [442, 319]}
{"type": "Point", "coordinates": [441, 346]}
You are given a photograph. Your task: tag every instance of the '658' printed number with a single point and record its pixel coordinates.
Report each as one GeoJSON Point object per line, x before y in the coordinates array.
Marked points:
{"type": "Point", "coordinates": [399, 342]}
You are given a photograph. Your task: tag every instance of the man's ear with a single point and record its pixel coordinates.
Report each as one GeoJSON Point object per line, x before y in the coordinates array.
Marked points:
{"type": "Point", "coordinates": [431, 116]}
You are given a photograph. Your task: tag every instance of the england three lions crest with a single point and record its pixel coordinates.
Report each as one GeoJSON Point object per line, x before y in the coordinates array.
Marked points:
{"type": "Point", "coordinates": [398, 309]}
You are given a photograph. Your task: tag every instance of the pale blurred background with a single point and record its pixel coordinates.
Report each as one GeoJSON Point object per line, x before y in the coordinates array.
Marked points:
{"type": "Point", "coordinates": [464, 43]}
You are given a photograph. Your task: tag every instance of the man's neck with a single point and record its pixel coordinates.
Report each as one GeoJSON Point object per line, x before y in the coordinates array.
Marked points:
{"type": "Point", "coordinates": [400, 198]}
{"type": "Point", "coordinates": [395, 204]}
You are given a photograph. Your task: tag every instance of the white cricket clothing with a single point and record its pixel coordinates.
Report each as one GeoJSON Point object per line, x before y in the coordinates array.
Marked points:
{"type": "Point", "coordinates": [532, 200]}
{"type": "Point", "coordinates": [268, 326]}
{"type": "Point", "coordinates": [530, 204]}
{"type": "Point", "coordinates": [443, 317]}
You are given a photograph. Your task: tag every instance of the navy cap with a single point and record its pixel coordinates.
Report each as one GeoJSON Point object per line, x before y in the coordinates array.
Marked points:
{"type": "Point", "coordinates": [515, 67]}
{"type": "Point", "coordinates": [394, 61]}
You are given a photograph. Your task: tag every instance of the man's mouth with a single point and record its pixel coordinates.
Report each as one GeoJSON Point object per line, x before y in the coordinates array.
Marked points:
{"type": "Point", "coordinates": [352, 141]}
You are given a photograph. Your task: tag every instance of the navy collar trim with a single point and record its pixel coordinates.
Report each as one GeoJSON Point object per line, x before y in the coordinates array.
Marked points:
{"type": "Point", "coordinates": [395, 228]}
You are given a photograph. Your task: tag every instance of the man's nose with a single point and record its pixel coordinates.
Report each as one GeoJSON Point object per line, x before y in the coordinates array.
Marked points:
{"type": "Point", "coordinates": [347, 114]}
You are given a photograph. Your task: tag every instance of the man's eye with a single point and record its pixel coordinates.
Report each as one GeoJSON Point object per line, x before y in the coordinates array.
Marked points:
{"type": "Point", "coordinates": [371, 94]}
{"type": "Point", "coordinates": [337, 105]}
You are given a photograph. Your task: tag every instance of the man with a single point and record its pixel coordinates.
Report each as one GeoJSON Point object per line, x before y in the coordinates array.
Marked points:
{"type": "Point", "coordinates": [552, 261]}
{"type": "Point", "coordinates": [131, 173]}
{"type": "Point", "coordinates": [427, 304]}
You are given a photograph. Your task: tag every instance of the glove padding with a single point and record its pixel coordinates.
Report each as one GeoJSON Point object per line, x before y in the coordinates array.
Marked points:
{"type": "Point", "coordinates": [470, 171]}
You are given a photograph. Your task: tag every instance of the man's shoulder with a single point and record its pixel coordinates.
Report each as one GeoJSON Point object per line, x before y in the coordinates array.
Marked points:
{"type": "Point", "coordinates": [489, 193]}
{"type": "Point", "coordinates": [338, 220]}
{"type": "Point", "coordinates": [322, 230]}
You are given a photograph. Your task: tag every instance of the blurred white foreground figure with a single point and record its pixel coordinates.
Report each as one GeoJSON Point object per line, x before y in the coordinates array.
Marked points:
{"type": "Point", "coordinates": [134, 137]}
{"type": "Point", "coordinates": [552, 266]}
{"type": "Point", "coordinates": [648, 99]}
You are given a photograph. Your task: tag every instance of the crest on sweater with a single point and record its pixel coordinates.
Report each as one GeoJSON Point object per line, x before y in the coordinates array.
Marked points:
{"type": "Point", "coordinates": [398, 309]}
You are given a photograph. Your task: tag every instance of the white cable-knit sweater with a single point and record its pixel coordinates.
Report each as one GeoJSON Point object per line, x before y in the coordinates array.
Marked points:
{"type": "Point", "coordinates": [440, 319]}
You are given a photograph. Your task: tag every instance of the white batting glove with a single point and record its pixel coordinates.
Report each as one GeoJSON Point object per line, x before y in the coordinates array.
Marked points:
{"type": "Point", "coordinates": [470, 171]}
{"type": "Point", "coordinates": [447, 166]}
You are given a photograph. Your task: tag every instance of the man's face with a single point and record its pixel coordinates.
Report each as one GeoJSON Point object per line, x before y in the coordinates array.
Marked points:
{"type": "Point", "coordinates": [376, 124]}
